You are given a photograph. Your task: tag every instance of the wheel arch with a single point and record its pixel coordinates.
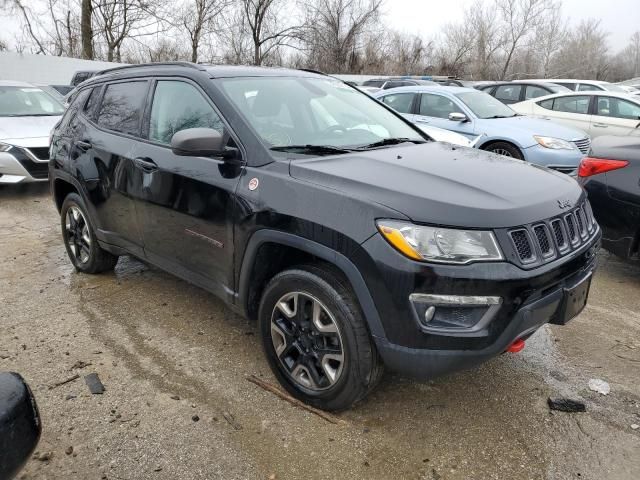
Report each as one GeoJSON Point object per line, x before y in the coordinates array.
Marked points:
{"type": "Point", "coordinates": [252, 278]}
{"type": "Point", "coordinates": [62, 188]}
{"type": "Point", "coordinates": [494, 140]}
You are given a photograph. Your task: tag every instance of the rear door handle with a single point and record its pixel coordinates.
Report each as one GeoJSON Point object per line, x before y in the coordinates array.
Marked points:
{"type": "Point", "coordinates": [601, 125]}
{"type": "Point", "coordinates": [83, 145]}
{"type": "Point", "coordinates": [146, 164]}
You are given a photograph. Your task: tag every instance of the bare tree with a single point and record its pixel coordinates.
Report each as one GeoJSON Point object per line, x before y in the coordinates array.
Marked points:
{"type": "Point", "coordinates": [264, 22]}
{"type": "Point", "coordinates": [585, 53]}
{"type": "Point", "coordinates": [334, 31]}
{"type": "Point", "coordinates": [520, 17]}
{"type": "Point", "coordinates": [199, 18]}
{"type": "Point", "coordinates": [86, 28]}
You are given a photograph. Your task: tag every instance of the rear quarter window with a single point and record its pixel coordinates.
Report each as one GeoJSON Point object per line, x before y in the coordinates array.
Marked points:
{"type": "Point", "coordinates": [122, 106]}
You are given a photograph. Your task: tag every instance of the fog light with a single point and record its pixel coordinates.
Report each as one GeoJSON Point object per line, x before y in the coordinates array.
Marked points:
{"type": "Point", "coordinates": [454, 314]}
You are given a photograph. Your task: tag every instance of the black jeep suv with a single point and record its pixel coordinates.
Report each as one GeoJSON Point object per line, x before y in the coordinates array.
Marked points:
{"type": "Point", "coordinates": [354, 240]}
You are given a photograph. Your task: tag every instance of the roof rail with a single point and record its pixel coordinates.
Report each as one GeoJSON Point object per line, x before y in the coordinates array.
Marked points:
{"type": "Point", "coordinates": [156, 64]}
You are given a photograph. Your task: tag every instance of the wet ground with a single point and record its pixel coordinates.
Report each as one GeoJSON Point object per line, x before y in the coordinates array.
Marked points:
{"type": "Point", "coordinates": [169, 353]}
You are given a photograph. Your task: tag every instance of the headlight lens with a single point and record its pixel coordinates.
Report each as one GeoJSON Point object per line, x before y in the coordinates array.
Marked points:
{"type": "Point", "coordinates": [554, 143]}
{"type": "Point", "coordinates": [436, 244]}
{"type": "Point", "coordinates": [5, 147]}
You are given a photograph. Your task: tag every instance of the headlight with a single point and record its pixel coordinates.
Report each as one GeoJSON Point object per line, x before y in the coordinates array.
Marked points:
{"type": "Point", "coordinates": [5, 147]}
{"type": "Point", "coordinates": [436, 244]}
{"type": "Point", "coordinates": [554, 143]}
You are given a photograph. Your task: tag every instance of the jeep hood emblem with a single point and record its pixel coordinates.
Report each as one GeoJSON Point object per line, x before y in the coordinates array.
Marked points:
{"type": "Point", "coordinates": [564, 204]}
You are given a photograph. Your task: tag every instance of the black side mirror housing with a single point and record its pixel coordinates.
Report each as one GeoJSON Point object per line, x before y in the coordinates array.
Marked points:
{"type": "Point", "coordinates": [202, 142]}
{"type": "Point", "coordinates": [20, 424]}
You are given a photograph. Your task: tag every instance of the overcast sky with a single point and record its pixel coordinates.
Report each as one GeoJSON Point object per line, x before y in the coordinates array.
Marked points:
{"type": "Point", "coordinates": [619, 17]}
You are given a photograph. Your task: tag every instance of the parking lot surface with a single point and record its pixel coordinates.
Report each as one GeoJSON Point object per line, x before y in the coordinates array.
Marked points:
{"type": "Point", "coordinates": [177, 403]}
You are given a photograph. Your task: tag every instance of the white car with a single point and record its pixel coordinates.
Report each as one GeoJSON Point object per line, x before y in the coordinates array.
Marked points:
{"type": "Point", "coordinates": [585, 85]}
{"type": "Point", "coordinates": [27, 115]}
{"type": "Point", "coordinates": [597, 113]}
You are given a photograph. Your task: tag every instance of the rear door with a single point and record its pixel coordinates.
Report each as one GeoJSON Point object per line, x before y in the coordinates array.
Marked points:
{"type": "Point", "coordinates": [402, 103]}
{"type": "Point", "coordinates": [187, 202]}
{"type": "Point", "coordinates": [614, 116]}
{"type": "Point", "coordinates": [109, 142]}
{"type": "Point", "coordinates": [572, 111]}
{"type": "Point", "coordinates": [434, 110]}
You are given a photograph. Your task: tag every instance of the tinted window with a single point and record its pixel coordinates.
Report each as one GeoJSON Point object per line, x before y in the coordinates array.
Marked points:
{"type": "Point", "coordinates": [617, 108]}
{"type": "Point", "coordinates": [548, 104]}
{"type": "Point", "coordinates": [508, 93]}
{"type": "Point", "coordinates": [437, 106]}
{"type": "Point", "coordinates": [122, 107]}
{"type": "Point", "coordinates": [572, 104]}
{"type": "Point", "coordinates": [570, 86]}
{"type": "Point", "coordinates": [533, 91]}
{"type": "Point", "coordinates": [178, 106]}
{"type": "Point", "coordinates": [92, 100]}
{"type": "Point", "coordinates": [585, 87]}
{"type": "Point", "coordinates": [400, 102]}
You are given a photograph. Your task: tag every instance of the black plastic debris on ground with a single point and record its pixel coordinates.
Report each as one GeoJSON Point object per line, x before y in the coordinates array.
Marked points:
{"type": "Point", "coordinates": [93, 382]}
{"type": "Point", "coordinates": [566, 405]}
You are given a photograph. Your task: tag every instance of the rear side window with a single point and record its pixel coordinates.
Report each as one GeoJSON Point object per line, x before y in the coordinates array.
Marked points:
{"type": "Point", "coordinates": [509, 93]}
{"type": "Point", "coordinates": [178, 106]}
{"type": "Point", "coordinates": [533, 91]}
{"type": "Point", "coordinates": [572, 104]}
{"type": "Point", "coordinates": [400, 102]}
{"type": "Point", "coordinates": [585, 87]}
{"type": "Point", "coordinates": [548, 104]}
{"type": "Point", "coordinates": [91, 101]}
{"type": "Point", "coordinates": [122, 106]}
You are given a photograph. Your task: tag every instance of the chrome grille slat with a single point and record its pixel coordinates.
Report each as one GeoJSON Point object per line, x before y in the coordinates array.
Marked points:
{"type": "Point", "coordinates": [583, 144]}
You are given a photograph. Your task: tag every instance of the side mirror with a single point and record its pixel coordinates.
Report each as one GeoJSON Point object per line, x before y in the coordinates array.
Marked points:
{"type": "Point", "coordinates": [458, 117]}
{"type": "Point", "coordinates": [20, 424]}
{"type": "Point", "coordinates": [201, 142]}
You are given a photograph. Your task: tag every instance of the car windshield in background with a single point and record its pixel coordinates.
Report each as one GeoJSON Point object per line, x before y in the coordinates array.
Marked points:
{"type": "Point", "coordinates": [302, 111]}
{"type": "Point", "coordinates": [27, 101]}
{"type": "Point", "coordinates": [484, 105]}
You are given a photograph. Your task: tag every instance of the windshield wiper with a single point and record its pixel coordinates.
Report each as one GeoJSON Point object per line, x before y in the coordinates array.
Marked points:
{"type": "Point", "coordinates": [389, 141]}
{"type": "Point", "coordinates": [311, 149]}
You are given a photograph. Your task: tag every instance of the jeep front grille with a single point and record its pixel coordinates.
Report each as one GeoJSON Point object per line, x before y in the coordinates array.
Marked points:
{"type": "Point", "coordinates": [546, 240]}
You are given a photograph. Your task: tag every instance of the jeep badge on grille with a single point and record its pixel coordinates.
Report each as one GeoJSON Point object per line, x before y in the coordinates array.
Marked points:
{"type": "Point", "coordinates": [564, 204]}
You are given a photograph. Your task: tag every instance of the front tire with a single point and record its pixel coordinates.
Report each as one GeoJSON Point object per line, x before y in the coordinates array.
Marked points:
{"type": "Point", "coordinates": [506, 149]}
{"type": "Point", "coordinates": [316, 339]}
{"type": "Point", "coordinates": [80, 240]}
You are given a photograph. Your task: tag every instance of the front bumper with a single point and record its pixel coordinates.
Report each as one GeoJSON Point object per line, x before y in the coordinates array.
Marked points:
{"type": "Point", "coordinates": [564, 161]}
{"type": "Point", "coordinates": [21, 166]}
{"type": "Point", "coordinates": [529, 299]}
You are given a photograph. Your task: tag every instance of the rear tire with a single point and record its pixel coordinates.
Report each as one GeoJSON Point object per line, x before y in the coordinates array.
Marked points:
{"type": "Point", "coordinates": [316, 339]}
{"type": "Point", "coordinates": [506, 149]}
{"type": "Point", "coordinates": [80, 239]}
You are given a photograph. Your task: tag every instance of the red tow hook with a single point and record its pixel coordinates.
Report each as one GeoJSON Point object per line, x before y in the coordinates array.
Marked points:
{"type": "Point", "coordinates": [516, 346]}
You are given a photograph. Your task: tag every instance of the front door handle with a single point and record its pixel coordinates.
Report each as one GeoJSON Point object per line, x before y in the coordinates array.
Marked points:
{"type": "Point", "coordinates": [145, 164]}
{"type": "Point", "coordinates": [601, 125]}
{"type": "Point", "coordinates": [83, 145]}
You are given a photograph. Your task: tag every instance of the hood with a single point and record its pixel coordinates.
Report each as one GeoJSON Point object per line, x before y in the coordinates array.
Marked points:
{"type": "Point", "coordinates": [436, 183]}
{"type": "Point", "coordinates": [524, 128]}
{"type": "Point", "coordinates": [22, 131]}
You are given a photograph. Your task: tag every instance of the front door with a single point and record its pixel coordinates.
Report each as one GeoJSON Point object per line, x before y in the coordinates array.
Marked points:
{"type": "Point", "coordinates": [187, 202]}
{"type": "Point", "coordinates": [434, 110]}
{"type": "Point", "coordinates": [614, 116]}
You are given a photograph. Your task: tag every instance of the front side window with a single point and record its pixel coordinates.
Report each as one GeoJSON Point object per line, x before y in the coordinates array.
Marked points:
{"type": "Point", "coordinates": [485, 106]}
{"type": "Point", "coordinates": [617, 108]}
{"type": "Point", "coordinates": [28, 102]}
{"type": "Point", "coordinates": [177, 106]}
{"type": "Point", "coordinates": [508, 93]}
{"type": "Point", "coordinates": [533, 91]}
{"type": "Point", "coordinates": [401, 102]}
{"type": "Point", "coordinates": [319, 111]}
{"type": "Point", "coordinates": [437, 106]}
{"type": "Point", "coordinates": [572, 104]}
{"type": "Point", "coordinates": [122, 106]}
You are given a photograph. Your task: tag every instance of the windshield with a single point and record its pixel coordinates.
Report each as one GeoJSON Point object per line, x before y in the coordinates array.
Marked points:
{"type": "Point", "coordinates": [287, 111]}
{"type": "Point", "coordinates": [27, 101]}
{"type": "Point", "coordinates": [484, 105]}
